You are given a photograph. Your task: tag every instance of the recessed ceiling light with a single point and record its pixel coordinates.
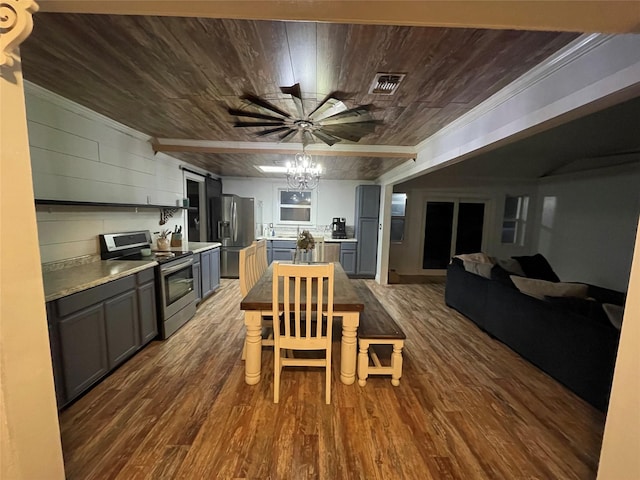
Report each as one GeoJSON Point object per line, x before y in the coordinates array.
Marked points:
{"type": "Point", "coordinates": [271, 168]}
{"type": "Point", "coordinates": [386, 83]}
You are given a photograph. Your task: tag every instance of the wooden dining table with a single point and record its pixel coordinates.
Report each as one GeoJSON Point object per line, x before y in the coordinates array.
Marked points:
{"type": "Point", "coordinates": [258, 302]}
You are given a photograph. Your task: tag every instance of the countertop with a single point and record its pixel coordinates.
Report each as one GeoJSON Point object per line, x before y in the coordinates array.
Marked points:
{"type": "Point", "coordinates": [66, 281]}
{"type": "Point", "coordinates": [60, 283]}
{"type": "Point", "coordinates": [195, 247]}
{"type": "Point", "coordinates": [326, 240]}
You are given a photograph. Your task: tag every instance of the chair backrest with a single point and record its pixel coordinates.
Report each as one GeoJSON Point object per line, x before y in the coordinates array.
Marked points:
{"type": "Point", "coordinates": [304, 293]}
{"type": "Point", "coordinates": [318, 251]}
{"type": "Point", "coordinates": [261, 256]}
{"type": "Point", "coordinates": [248, 270]}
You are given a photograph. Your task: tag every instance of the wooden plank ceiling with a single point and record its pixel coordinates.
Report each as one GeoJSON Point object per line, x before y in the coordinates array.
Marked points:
{"type": "Point", "coordinates": [172, 77]}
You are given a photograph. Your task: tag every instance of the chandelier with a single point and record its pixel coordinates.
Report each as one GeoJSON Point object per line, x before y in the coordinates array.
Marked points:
{"type": "Point", "coordinates": [303, 173]}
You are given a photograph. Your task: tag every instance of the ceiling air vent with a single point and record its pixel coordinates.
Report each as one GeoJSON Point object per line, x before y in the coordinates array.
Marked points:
{"type": "Point", "coordinates": [386, 83]}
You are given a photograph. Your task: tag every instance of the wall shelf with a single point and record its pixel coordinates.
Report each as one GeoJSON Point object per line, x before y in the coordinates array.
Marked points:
{"type": "Point", "coordinates": [72, 203]}
{"type": "Point", "coordinates": [166, 211]}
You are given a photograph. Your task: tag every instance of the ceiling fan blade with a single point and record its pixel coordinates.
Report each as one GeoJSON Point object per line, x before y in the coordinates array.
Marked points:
{"type": "Point", "coordinates": [244, 113]}
{"type": "Point", "coordinates": [271, 130]}
{"type": "Point", "coordinates": [259, 102]}
{"type": "Point", "coordinates": [361, 113]}
{"type": "Point", "coordinates": [296, 96]}
{"type": "Point", "coordinates": [351, 131]}
{"type": "Point", "coordinates": [326, 138]}
{"type": "Point", "coordinates": [307, 138]}
{"type": "Point", "coordinates": [257, 124]}
{"type": "Point", "coordinates": [327, 108]}
{"type": "Point", "coordinates": [285, 137]}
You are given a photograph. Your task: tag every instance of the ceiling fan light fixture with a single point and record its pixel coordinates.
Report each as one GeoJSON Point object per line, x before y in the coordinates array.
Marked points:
{"type": "Point", "coordinates": [386, 83]}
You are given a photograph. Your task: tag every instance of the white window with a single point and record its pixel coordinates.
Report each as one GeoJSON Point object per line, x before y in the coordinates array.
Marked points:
{"type": "Point", "coordinates": [514, 219]}
{"type": "Point", "coordinates": [295, 207]}
{"type": "Point", "coordinates": [398, 206]}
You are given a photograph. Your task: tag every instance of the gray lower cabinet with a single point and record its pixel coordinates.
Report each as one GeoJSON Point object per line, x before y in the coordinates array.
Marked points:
{"type": "Point", "coordinates": [197, 276]}
{"type": "Point", "coordinates": [367, 247]}
{"type": "Point", "coordinates": [93, 331]}
{"type": "Point", "coordinates": [147, 312]}
{"type": "Point", "coordinates": [366, 229]}
{"type": "Point", "coordinates": [209, 271]}
{"type": "Point", "coordinates": [83, 346]}
{"type": "Point", "coordinates": [122, 326]}
{"type": "Point", "coordinates": [348, 257]}
{"type": "Point", "coordinates": [282, 250]}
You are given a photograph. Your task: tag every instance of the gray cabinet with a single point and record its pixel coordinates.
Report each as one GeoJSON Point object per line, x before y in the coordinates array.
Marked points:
{"type": "Point", "coordinates": [121, 321]}
{"type": "Point", "coordinates": [197, 277]}
{"type": "Point", "coordinates": [93, 331]}
{"type": "Point", "coordinates": [348, 253]}
{"type": "Point", "coordinates": [209, 271]}
{"type": "Point", "coordinates": [282, 250]}
{"type": "Point", "coordinates": [83, 346]}
{"type": "Point", "coordinates": [366, 229]}
{"type": "Point", "coordinates": [147, 312]}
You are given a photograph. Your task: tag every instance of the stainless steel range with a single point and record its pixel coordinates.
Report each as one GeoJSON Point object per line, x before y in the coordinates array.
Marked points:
{"type": "Point", "coordinates": [175, 293]}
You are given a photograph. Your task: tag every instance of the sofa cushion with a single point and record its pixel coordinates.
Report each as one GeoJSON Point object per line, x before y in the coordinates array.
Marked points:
{"type": "Point", "coordinates": [586, 307]}
{"type": "Point", "coordinates": [511, 265]}
{"type": "Point", "coordinates": [536, 266]}
{"type": "Point", "coordinates": [501, 275]}
{"type": "Point", "coordinates": [479, 257]}
{"type": "Point", "coordinates": [479, 268]}
{"type": "Point", "coordinates": [540, 288]}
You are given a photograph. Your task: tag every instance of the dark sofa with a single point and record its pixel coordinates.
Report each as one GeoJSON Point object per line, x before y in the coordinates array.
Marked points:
{"type": "Point", "coordinates": [574, 347]}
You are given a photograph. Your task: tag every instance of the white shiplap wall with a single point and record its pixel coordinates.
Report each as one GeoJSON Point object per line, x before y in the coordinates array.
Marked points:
{"type": "Point", "coordinates": [77, 154]}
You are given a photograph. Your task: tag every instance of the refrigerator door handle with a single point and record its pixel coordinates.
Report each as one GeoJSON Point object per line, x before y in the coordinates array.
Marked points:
{"type": "Point", "coordinates": [234, 217]}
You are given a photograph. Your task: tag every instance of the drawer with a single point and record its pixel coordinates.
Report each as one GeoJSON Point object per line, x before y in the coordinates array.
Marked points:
{"type": "Point", "coordinates": [348, 246]}
{"type": "Point", "coordinates": [283, 244]}
{"type": "Point", "coordinates": [146, 276]}
{"type": "Point", "coordinates": [91, 296]}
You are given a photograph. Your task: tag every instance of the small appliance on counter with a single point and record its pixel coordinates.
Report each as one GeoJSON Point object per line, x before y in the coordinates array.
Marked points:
{"type": "Point", "coordinates": [339, 228]}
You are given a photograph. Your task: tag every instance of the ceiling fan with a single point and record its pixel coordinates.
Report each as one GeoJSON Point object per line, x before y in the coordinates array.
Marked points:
{"type": "Point", "coordinates": [331, 121]}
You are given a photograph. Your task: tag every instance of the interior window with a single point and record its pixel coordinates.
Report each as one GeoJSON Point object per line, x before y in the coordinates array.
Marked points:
{"type": "Point", "coordinates": [398, 207]}
{"type": "Point", "coordinates": [514, 219]}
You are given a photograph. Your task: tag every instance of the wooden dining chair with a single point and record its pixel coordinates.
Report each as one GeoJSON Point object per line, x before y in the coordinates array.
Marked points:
{"type": "Point", "coordinates": [318, 251]}
{"type": "Point", "coordinates": [261, 256]}
{"type": "Point", "coordinates": [303, 294]}
{"type": "Point", "coordinates": [249, 274]}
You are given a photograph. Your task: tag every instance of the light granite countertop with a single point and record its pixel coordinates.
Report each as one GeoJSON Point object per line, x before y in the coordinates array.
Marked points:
{"type": "Point", "coordinates": [326, 240]}
{"type": "Point", "coordinates": [60, 283]}
{"type": "Point", "coordinates": [195, 247]}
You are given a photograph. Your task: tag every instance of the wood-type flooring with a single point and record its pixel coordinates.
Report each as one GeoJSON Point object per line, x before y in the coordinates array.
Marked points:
{"type": "Point", "coordinates": [467, 408]}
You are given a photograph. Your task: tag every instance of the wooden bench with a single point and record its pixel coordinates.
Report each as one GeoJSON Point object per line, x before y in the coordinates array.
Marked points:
{"type": "Point", "coordinates": [377, 328]}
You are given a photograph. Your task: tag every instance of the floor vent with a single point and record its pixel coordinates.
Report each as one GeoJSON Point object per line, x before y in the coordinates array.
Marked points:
{"type": "Point", "coordinates": [386, 83]}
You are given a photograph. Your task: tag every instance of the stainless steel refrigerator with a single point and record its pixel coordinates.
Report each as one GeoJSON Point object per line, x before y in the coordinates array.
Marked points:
{"type": "Point", "coordinates": [236, 230]}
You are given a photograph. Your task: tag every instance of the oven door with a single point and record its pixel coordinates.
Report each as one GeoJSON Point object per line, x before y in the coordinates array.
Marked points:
{"type": "Point", "coordinates": [177, 286]}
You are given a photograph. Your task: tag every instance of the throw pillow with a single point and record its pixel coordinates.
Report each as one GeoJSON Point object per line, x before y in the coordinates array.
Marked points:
{"type": "Point", "coordinates": [539, 288]}
{"type": "Point", "coordinates": [501, 275]}
{"type": "Point", "coordinates": [482, 269]}
{"type": "Point", "coordinates": [475, 257]}
{"type": "Point", "coordinates": [511, 265]}
{"type": "Point", "coordinates": [536, 266]}
{"type": "Point", "coordinates": [615, 313]}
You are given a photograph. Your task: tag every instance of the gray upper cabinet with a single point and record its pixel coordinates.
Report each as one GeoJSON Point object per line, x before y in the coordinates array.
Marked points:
{"type": "Point", "coordinates": [366, 229]}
